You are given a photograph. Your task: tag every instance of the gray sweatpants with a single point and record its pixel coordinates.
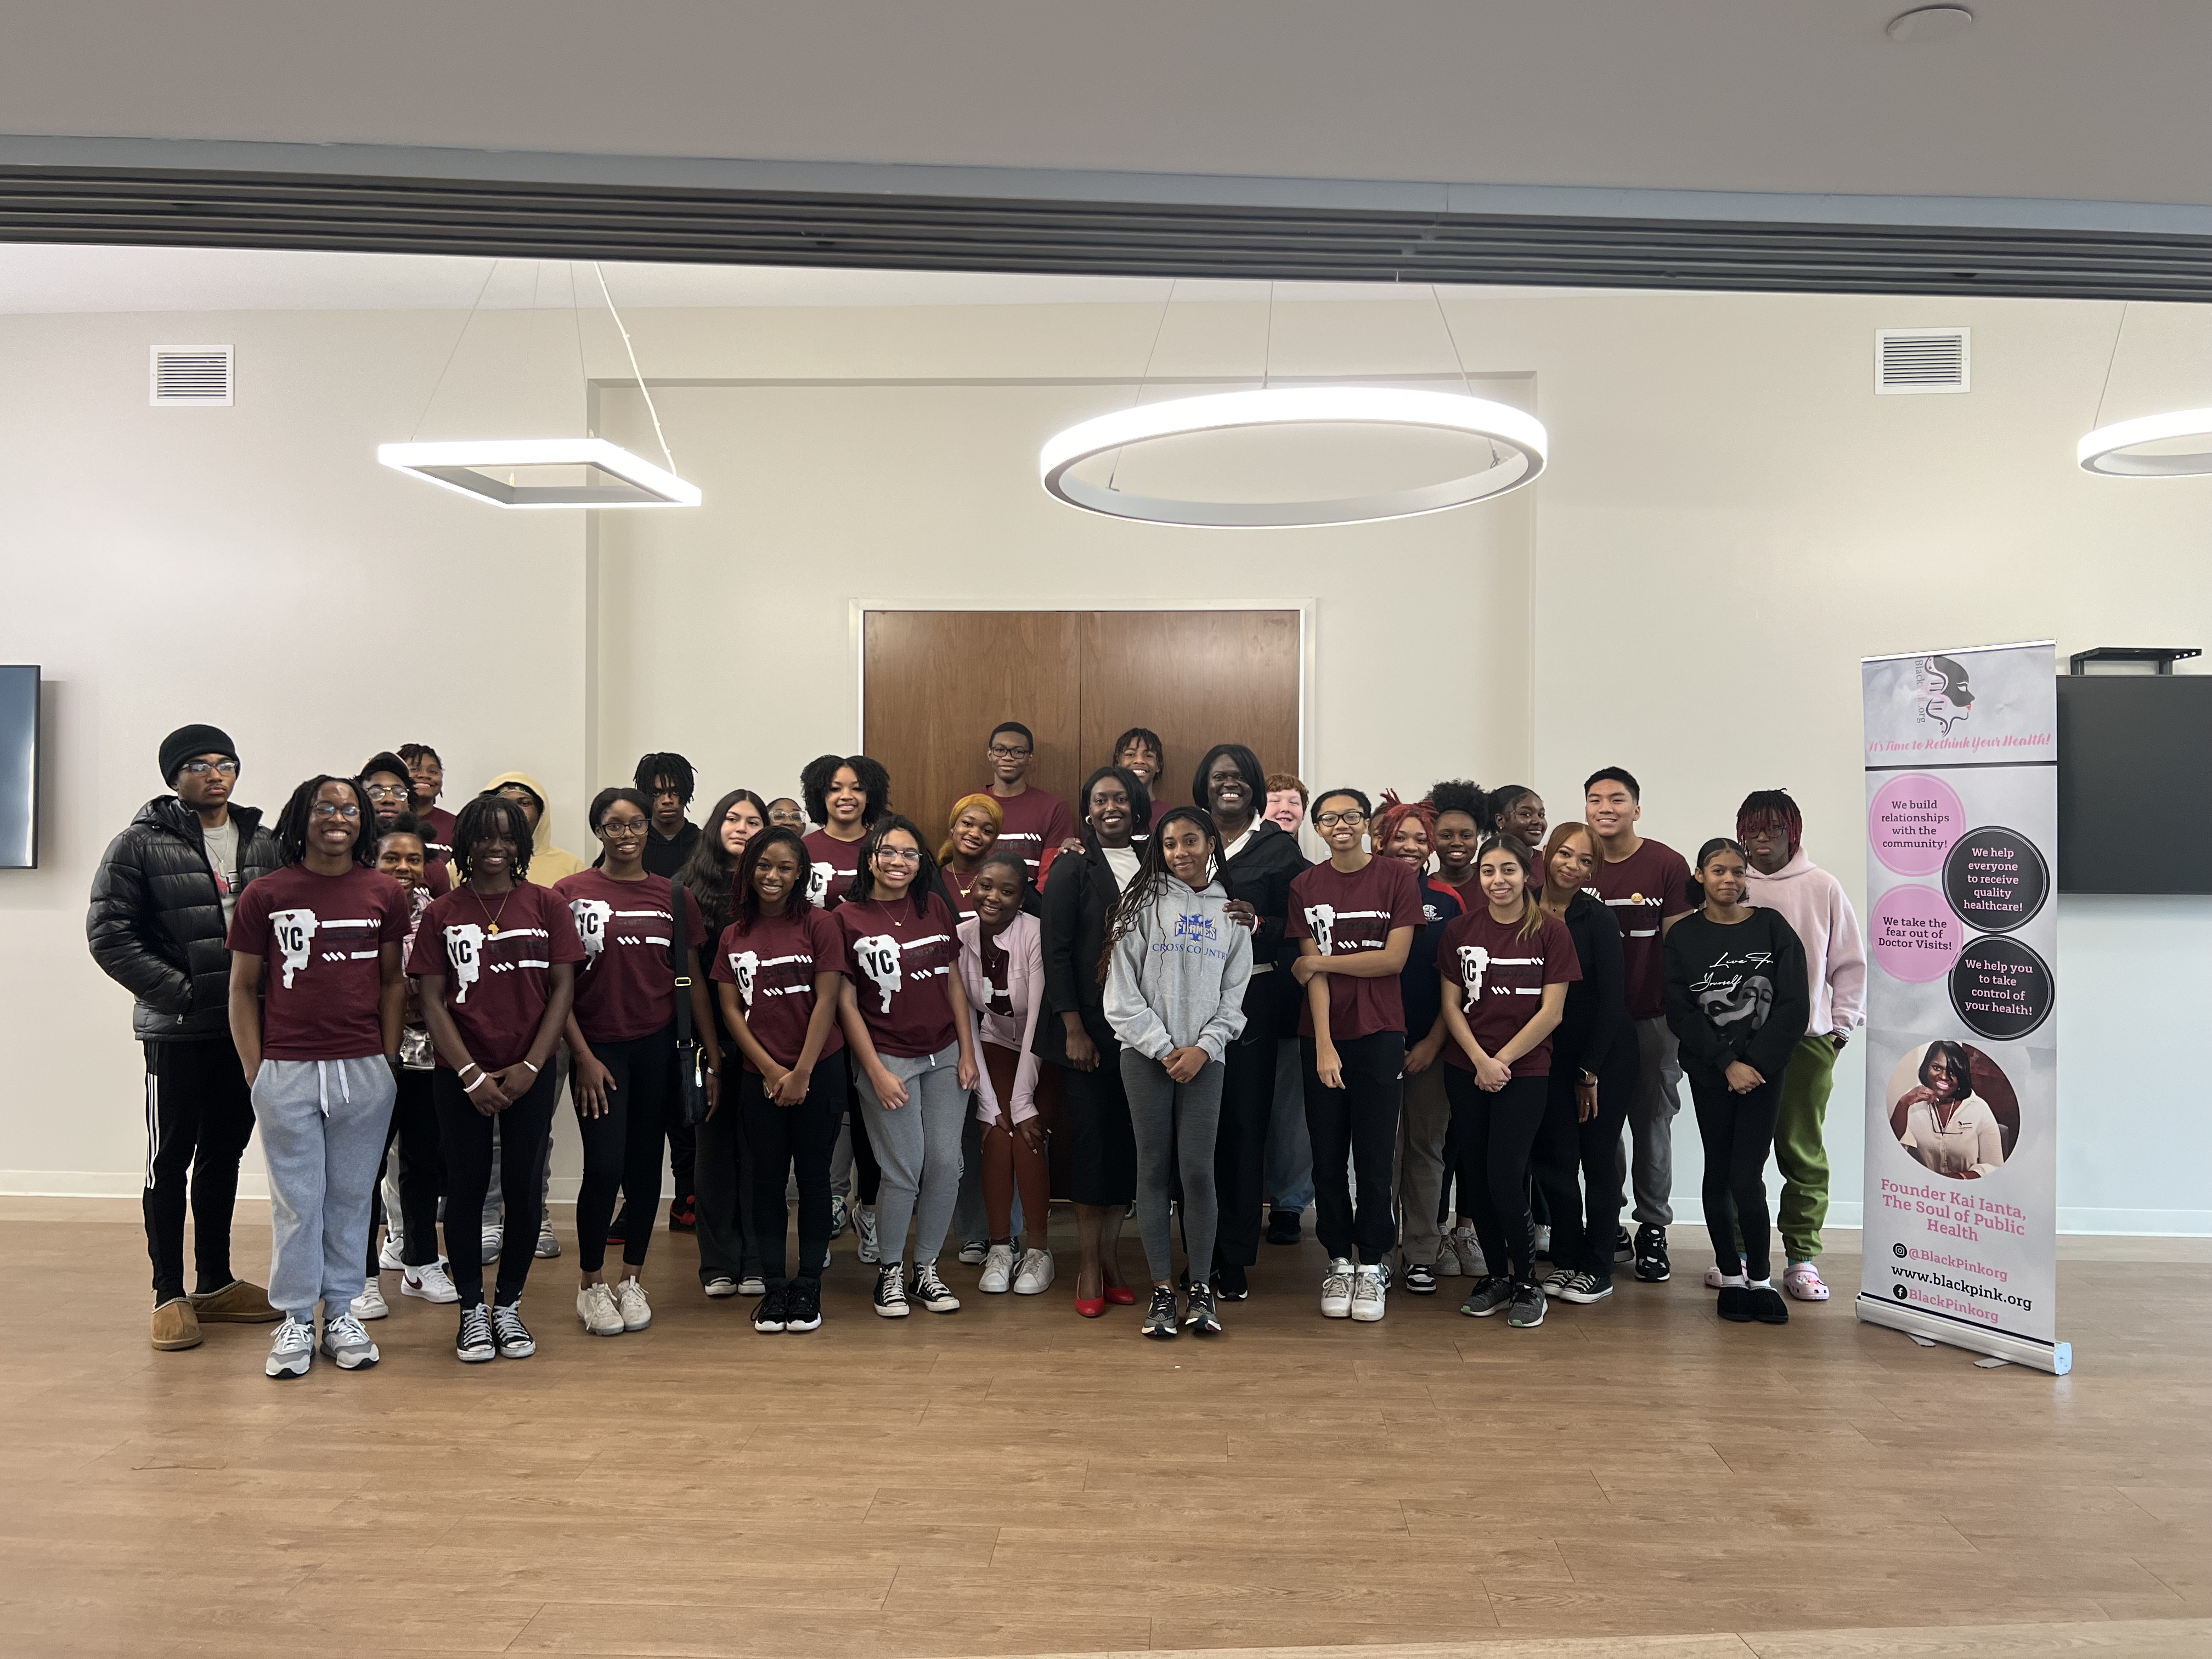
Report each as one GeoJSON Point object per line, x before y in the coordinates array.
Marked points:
{"type": "Point", "coordinates": [323, 1124]}
{"type": "Point", "coordinates": [1176, 1125]}
{"type": "Point", "coordinates": [918, 1145]}
{"type": "Point", "coordinates": [1658, 1096]}
{"type": "Point", "coordinates": [1423, 1116]}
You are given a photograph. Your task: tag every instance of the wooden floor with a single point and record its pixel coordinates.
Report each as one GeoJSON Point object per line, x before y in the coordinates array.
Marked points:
{"type": "Point", "coordinates": [1013, 1481]}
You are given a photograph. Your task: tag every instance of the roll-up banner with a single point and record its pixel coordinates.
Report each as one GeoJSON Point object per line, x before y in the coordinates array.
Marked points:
{"type": "Point", "coordinates": [1961, 1037]}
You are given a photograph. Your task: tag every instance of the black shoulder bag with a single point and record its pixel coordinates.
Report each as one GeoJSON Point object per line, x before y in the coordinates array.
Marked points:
{"type": "Point", "coordinates": [691, 1062]}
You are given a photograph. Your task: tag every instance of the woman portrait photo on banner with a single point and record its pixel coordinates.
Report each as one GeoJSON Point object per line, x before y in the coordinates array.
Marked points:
{"type": "Point", "coordinates": [1953, 1111]}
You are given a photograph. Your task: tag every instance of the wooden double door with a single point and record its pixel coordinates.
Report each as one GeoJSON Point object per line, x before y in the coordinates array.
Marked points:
{"type": "Point", "coordinates": [934, 683]}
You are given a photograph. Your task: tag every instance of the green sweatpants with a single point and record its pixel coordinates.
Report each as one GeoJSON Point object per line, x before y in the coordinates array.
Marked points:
{"type": "Point", "coordinates": [1800, 1150]}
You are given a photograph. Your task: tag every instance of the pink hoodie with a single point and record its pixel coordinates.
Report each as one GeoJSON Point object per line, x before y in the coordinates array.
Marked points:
{"type": "Point", "coordinates": [1813, 903]}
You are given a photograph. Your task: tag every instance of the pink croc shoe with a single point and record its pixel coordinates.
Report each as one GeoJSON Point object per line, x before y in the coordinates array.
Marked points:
{"type": "Point", "coordinates": [1803, 1282]}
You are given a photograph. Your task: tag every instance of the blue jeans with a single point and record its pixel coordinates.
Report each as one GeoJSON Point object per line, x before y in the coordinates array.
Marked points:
{"type": "Point", "coordinates": [1290, 1147]}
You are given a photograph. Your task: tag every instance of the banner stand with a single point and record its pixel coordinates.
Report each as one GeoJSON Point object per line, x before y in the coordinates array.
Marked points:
{"type": "Point", "coordinates": [2056, 1358]}
{"type": "Point", "coordinates": [1961, 1234]}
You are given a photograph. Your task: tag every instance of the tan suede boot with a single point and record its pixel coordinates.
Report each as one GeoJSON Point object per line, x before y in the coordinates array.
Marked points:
{"type": "Point", "coordinates": [236, 1304]}
{"type": "Point", "coordinates": [176, 1325]}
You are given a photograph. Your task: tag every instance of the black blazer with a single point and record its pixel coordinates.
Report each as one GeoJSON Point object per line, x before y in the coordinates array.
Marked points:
{"type": "Point", "coordinates": [1080, 892]}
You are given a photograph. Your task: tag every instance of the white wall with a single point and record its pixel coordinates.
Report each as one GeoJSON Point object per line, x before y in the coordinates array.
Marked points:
{"type": "Point", "coordinates": [1731, 520]}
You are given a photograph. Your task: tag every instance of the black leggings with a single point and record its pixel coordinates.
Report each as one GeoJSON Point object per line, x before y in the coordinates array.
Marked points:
{"type": "Point", "coordinates": [1240, 1148]}
{"type": "Point", "coordinates": [776, 1139]}
{"type": "Point", "coordinates": [1492, 1135]}
{"type": "Point", "coordinates": [622, 1146]}
{"type": "Point", "coordinates": [1359, 1122]}
{"type": "Point", "coordinates": [1738, 1131]}
{"type": "Point", "coordinates": [421, 1172]}
{"type": "Point", "coordinates": [465, 1134]}
{"type": "Point", "coordinates": [1584, 1220]}
{"type": "Point", "coordinates": [867, 1174]}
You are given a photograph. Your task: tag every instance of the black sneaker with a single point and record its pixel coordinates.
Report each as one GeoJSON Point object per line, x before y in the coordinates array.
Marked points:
{"type": "Point", "coordinates": [1230, 1284]}
{"type": "Point", "coordinates": [1624, 1248]}
{"type": "Point", "coordinates": [802, 1305]}
{"type": "Point", "coordinates": [890, 1291]}
{"type": "Point", "coordinates": [1586, 1288]}
{"type": "Point", "coordinates": [474, 1345]}
{"type": "Point", "coordinates": [1487, 1298]}
{"type": "Point", "coordinates": [1198, 1315]}
{"type": "Point", "coordinates": [1160, 1318]}
{"type": "Point", "coordinates": [1420, 1280]}
{"type": "Point", "coordinates": [1529, 1307]}
{"type": "Point", "coordinates": [515, 1341]}
{"type": "Point", "coordinates": [930, 1291]}
{"type": "Point", "coordinates": [769, 1313]}
{"type": "Point", "coordinates": [1651, 1265]}
{"type": "Point", "coordinates": [1283, 1226]}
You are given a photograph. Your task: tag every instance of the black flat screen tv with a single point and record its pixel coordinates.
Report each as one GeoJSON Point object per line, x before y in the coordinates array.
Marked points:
{"type": "Point", "coordinates": [2135, 783]}
{"type": "Point", "coordinates": [19, 767]}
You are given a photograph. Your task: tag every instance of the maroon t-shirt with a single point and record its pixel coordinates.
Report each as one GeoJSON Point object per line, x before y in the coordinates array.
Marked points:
{"type": "Point", "coordinates": [899, 964]}
{"type": "Point", "coordinates": [440, 823]}
{"type": "Point", "coordinates": [496, 983]}
{"type": "Point", "coordinates": [1501, 977]}
{"type": "Point", "coordinates": [1345, 914]}
{"type": "Point", "coordinates": [1642, 890]}
{"type": "Point", "coordinates": [836, 863]}
{"type": "Point", "coordinates": [321, 936]}
{"type": "Point", "coordinates": [1035, 821]}
{"type": "Point", "coordinates": [773, 964]}
{"type": "Point", "coordinates": [437, 877]}
{"type": "Point", "coordinates": [627, 986]}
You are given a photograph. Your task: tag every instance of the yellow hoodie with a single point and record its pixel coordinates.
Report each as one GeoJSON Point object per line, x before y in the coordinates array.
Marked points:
{"type": "Point", "coordinates": [548, 863]}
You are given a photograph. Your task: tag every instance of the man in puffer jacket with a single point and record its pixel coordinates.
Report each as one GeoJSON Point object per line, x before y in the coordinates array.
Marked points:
{"type": "Point", "coordinates": [160, 906]}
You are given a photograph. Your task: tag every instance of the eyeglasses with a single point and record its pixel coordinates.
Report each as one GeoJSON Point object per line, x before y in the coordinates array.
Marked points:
{"type": "Point", "coordinates": [898, 855]}
{"type": "Point", "coordinates": [1331, 820]}
{"type": "Point", "coordinates": [1000, 751]}
{"type": "Point", "coordinates": [624, 827]}
{"type": "Point", "coordinates": [387, 792]}
{"type": "Point", "coordinates": [200, 769]}
{"type": "Point", "coordinates": [323, 809]}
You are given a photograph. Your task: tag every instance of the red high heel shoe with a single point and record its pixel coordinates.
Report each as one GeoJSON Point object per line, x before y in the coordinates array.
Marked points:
{"type": "Point", "coordinates": [1090, 1307]}
{"type": "Point", "coordinates": [1121, 1296]}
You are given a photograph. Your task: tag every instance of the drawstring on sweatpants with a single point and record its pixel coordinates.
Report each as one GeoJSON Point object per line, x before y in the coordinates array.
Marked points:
{"type": "Point", "coordinates": [323, 1084]}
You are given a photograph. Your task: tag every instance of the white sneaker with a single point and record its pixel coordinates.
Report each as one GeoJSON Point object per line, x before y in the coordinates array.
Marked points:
{"type": "Point", "coordinates": [722, 1285]}
{"type": "Point", "coordinates": [1336, 1290]}
{"type": "Point", "coordinates": [998, 1270]}
{"type": "Point", "coordinates": [863, 1225]}
{"type": "Point", "coordinates": [752, 1285]}
{"type": "Point", "coordinates": [1447, 1261]}
{"type": "Point", "coordinates": [596, 1309]}
{"type": "Point", "coordinates": [390, 1258]}
{"type": "Point", "coordinates": [1035, 1275]}
{"type": "Point", "coordinates": [432, 1283]}
{"type": "Point", "coordinates": [840, 1217]}
{"type": "Point", "coordinates": [1368, 1291]}
{"type": "Point", "coordinates": [370, 1303]}
{"type": "Point", "coordinates": [292, 1350]}
{"type": "Point", "coordinates": [347, 1345]}
{"type": "Point", "coordinates": [548, 1246]}
{"type": "Point", "coordinates": [636, 1308]}
{"type": "Point", "coordinates": [1471, 1260]}
{"type": "Point", "coordinates": [1544, 1241]}
{"type": "Point", "coordinates": [493, 1236]}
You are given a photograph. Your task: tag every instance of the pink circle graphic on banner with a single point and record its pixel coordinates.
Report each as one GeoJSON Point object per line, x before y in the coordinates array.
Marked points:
{"type": "Point", "coordinates": [1914, 934]}
{"type": "Point", "coordinates": [1912, 821]}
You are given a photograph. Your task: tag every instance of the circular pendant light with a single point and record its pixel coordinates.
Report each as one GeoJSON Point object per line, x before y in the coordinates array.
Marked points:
{"type": "Point", "coordinates": [2112, 450]}
{"type": "Point", "coordinates": [1505, 428]}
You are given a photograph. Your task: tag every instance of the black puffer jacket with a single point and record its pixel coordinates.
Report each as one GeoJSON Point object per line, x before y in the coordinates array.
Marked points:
{"type": "Point", "coordinates": [156, 926]}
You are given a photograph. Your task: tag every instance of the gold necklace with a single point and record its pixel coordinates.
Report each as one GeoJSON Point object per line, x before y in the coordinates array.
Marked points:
{"type": "Point", "coordinates": [491, 921]}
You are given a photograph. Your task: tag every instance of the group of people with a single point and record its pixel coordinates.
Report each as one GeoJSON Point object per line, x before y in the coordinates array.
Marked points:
{"type": "Point", "coordinates": [1434, 1037]}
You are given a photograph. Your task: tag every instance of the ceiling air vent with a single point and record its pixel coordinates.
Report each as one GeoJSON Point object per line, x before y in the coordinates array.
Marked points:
{"type": "Point", "coordinates": [192, 375]}
{"type": "Point", "coordinates": [1923, 360]}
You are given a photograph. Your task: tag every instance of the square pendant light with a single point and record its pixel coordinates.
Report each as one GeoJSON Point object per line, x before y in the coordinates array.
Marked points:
{"type": "Point", "coordinates": [569, 473]}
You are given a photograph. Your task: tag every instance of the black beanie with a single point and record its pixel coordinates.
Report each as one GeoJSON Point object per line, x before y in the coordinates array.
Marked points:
{"type": "Point", "coordinates": [187, 741]}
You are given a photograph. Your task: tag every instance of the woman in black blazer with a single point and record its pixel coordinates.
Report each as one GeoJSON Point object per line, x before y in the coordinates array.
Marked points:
{"type": "Point", "coordinates": [1080, 894]}
{"type": "Point", "coordinates": [1593, 1066]}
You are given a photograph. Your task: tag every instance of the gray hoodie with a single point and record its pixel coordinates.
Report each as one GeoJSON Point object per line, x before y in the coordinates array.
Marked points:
{"type": "Point", "coordinates": [1177, 979]}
